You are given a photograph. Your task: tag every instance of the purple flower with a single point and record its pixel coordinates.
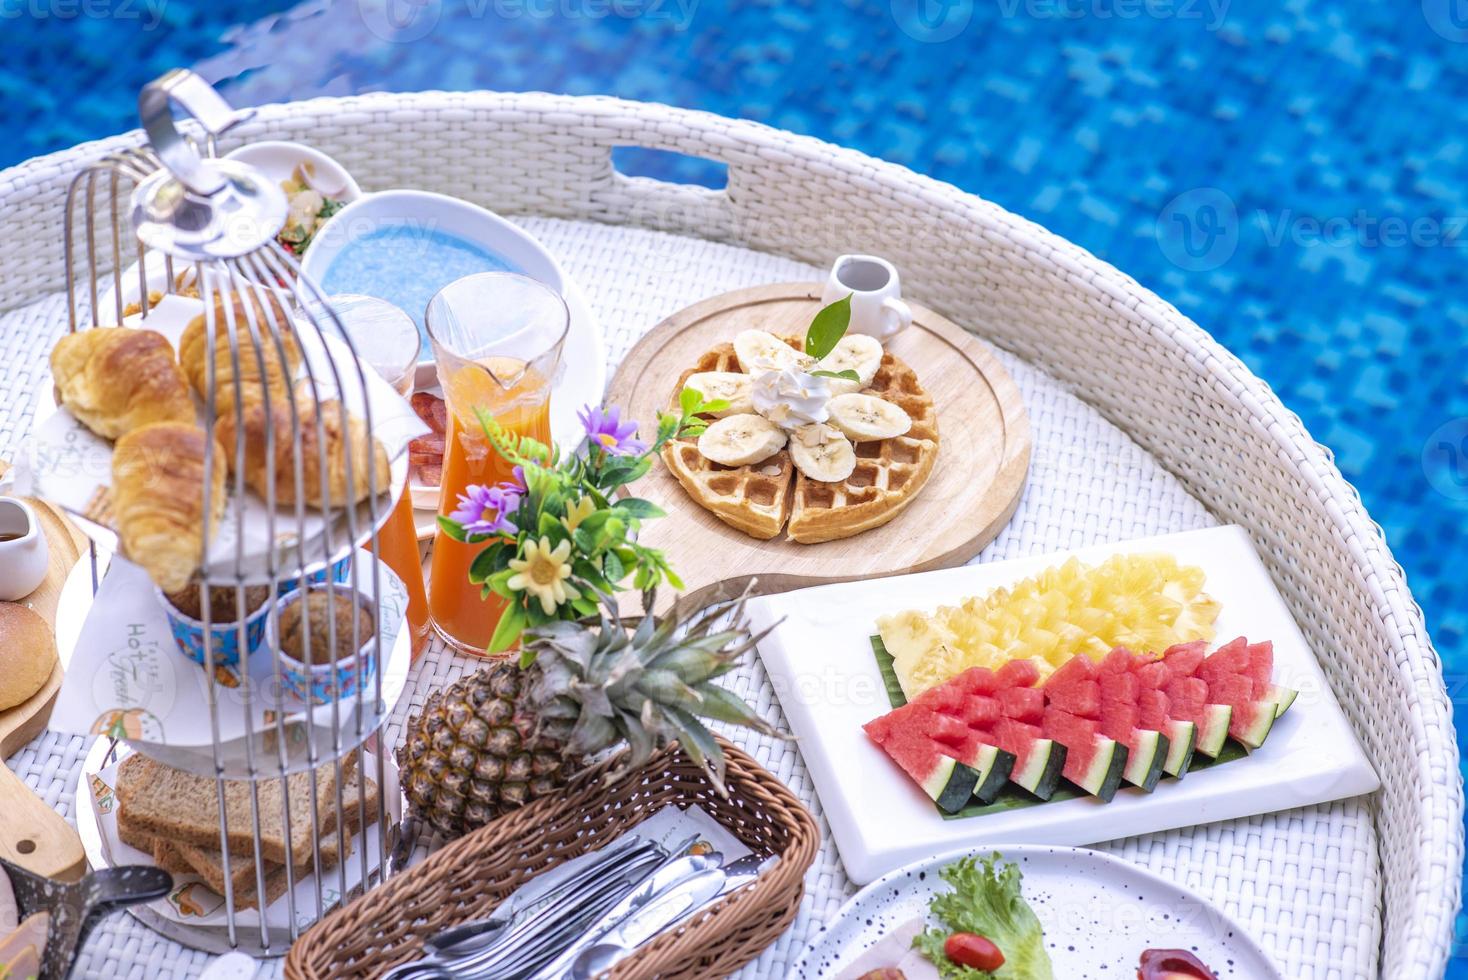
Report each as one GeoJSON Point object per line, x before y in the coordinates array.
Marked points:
{"type": "Point", "coordinates": [606, 430]}
{"type": "Point", "coordinates": [516, 484]}
{"type": "Point", "coordinates": [484, 510]}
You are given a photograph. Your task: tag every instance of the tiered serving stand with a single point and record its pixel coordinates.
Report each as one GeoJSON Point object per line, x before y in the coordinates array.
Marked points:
{"type": "Point", "coordinates": [1141, 425]}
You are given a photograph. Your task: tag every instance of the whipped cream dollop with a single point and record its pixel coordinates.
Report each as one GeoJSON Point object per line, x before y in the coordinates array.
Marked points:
{"type": "Point", "coordinates": [791, 398]}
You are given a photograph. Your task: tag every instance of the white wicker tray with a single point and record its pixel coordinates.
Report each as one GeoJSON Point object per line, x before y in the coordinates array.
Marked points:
{"type": "Point", "coordinates": [1141, 425]}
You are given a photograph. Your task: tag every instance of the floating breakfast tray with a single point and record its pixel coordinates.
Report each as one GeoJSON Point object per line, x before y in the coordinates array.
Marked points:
{"type": "Point", "coordinates": [983, 453]}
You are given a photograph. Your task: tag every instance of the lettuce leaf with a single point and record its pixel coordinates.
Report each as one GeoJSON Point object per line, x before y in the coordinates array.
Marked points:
{"type": "Point", "coordinates": [986, 900]}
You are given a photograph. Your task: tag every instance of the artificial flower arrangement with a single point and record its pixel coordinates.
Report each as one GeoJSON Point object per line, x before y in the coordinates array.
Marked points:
{"type": "Point", "coordinates": [558, 538]}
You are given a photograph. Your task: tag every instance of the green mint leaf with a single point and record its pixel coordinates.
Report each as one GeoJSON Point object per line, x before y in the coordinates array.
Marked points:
{"type": "Point", "coordinates": [717, 405]}
{"type": "Point", "coordinates": [690, 401]}
{"type": "Point", "coordinates": [848, 374]}
{"type": "Point", "coordinates": [827, 329]}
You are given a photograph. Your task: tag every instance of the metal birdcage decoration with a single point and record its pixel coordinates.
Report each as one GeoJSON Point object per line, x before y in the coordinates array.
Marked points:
{"type": "Point", "coordinates": [204, 228]}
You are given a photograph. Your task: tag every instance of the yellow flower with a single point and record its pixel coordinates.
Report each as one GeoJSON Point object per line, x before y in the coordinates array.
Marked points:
{"type": "Point", "coordinates": [578, 512]}
{"type": "Point", "coordinates": [543, 573]}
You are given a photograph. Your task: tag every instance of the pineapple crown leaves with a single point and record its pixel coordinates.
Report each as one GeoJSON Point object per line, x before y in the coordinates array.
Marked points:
{"type": "Point", "coordinates": [643, 685]}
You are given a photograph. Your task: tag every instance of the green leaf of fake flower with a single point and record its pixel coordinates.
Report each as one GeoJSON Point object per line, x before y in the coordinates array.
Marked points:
{"type": "Point", "coordinates": [827, 329]}
{"type": "Point", "coordinates": [848, 375]}
{"type": "Point", "coordinates": [511, 625]}
{"type": "Point", "coordinates": [637, 507]}
{"type": "Point", "coordinates": [611, 567]}
{"type": "Point", "coordinates": [690, 401]}
{"type": "Point", "coordinates": [482, 567]}
{"type": "Point", "coordinates": [452, 529]}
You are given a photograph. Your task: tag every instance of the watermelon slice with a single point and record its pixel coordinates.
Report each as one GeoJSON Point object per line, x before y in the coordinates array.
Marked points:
{"type": "Point", "coordinates": [989, 764]}
{"type": "Point", "coordinates": [1154, 712]}
{"type": "Point", "coordinates": [1092, 761]}
{"type": "Point", "coordinates": [948, 782]}
{"type": "Point", "coordinates": [1227, 673]}
{"type": "Point", "coordinates": [1038, 761]}
{"type": "Point", "coordinates": [973, 697]}
{"type": "Point", "coordinates": [1074, 687]}
{"type": "Point", "coordinates": [1121, 719]}
{"type": "Point", "coordinates": [1188, 701]}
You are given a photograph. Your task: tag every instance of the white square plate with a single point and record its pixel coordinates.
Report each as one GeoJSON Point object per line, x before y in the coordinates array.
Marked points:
{"type": "Point", "coordinates": [821, 664]}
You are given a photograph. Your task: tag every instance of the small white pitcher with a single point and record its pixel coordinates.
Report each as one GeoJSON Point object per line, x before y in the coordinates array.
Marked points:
{"type": "Point", "coordinates": [875, 290]}
{"type": "Point", "coordinates": [23, 553]}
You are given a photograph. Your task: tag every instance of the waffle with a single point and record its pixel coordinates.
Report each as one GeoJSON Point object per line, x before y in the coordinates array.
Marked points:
{"type": "Point", "coordinates": [755, 498]}
{"type": "Point", "coordinates": [888, 475]}
{"type": "Point", "coordinates": [762, 498]}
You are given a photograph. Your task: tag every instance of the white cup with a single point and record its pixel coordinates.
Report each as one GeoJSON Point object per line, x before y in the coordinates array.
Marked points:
{"type": "Point", "coordinates": [875, 290]}
{"type": "Point", "coordinates": [23, 553]}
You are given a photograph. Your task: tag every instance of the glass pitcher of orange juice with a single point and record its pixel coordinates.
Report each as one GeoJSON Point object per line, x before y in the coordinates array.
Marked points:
{"type": "Point", "coordinates": [497, 339]}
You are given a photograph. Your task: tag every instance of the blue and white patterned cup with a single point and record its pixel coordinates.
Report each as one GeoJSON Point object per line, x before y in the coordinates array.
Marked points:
{"type": "Point", "coordinates": [324, 682]}
{"type": "Point", "coordinates": [188, 632]}
{"type": "Point", "coordinates": [339, 571]}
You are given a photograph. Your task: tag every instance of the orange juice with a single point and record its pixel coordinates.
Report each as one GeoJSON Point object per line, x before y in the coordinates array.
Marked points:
{"type": "Point", "coordinates": [459, 614]}
{"type": "Point", "coordinates": [397, 545]}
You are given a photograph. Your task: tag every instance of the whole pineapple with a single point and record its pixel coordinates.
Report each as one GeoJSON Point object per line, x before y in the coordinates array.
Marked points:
{"type": "Point", "coordinates": [511, 733]}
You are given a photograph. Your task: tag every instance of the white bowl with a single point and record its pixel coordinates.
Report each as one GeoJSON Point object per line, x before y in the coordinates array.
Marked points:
{"type": "Point", "coordinates": [278, 159]}
{"type": "Point", "coordinates": [581, 378]}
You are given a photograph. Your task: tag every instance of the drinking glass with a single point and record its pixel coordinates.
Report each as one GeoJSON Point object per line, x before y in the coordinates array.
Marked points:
{"type": "Point", "coordinates": [497, 339]}
{"type": "Point", "coordinates": [386, 339]}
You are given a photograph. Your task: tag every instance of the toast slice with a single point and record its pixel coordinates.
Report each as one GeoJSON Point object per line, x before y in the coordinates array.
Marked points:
{"type": "Point", "coordinates": [162, 802]}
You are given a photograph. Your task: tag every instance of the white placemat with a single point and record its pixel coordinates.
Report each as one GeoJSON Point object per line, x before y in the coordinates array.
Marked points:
{"type": "Point", "coordinates": [1305, 882]}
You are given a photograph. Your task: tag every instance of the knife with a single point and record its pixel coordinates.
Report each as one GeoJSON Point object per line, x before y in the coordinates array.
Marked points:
{"type": "Point", "coordinates": [664, 910]}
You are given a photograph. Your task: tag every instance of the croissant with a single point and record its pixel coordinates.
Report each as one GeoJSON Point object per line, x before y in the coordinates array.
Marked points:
{"type": "Point", "coordinates": [338, 425]}
{"type": "Point", "coordinates": [114, 380]}
{"type": "Point", "coordinates": [249, 384]}
{"type": "Point", "coordinates": [158, 499]}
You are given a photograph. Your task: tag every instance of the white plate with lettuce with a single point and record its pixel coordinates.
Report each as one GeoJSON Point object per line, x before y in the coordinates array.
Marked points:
{"type": "Point", "coordinates": [1052, 912]}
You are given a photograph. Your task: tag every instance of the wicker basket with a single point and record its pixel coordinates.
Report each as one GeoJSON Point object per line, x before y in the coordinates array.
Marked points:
{"type": "Point", "coordinates": [467, 879]}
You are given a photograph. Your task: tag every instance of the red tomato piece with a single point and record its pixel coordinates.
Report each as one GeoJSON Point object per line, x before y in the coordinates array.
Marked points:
{"type": "Point", "coordinates": [968, 949]}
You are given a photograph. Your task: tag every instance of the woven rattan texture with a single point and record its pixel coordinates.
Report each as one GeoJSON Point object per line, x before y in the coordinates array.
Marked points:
{"type": "Point", "coordinates": [1306, 882]}
{"type": "Point", "coordinates": [467, 879]}
{"type": "Point", "coordinates": [1180, 421]}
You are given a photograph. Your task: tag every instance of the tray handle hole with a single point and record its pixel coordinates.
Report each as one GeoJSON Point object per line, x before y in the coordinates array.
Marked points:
{"type": "Point", "coordinates": [670, 166]}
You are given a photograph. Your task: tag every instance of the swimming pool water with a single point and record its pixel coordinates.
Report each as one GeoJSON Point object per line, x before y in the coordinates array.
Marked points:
{"type": "Point", "coordinates": [1293, 174]}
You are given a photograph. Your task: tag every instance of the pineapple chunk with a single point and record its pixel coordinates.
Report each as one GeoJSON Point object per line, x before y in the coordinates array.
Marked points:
{"type": "Point", "coordinates": [1143, 602]}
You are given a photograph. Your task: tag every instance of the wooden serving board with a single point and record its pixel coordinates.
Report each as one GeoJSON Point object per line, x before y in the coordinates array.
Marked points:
{"type": "Point", "coordinates": [33, 835]}
{"type": "Point", "coordinates": [983, 453]}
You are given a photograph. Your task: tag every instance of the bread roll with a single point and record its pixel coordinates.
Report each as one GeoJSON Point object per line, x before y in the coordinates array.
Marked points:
{"type": "Point", "coordinates": [338, 425]}
{"type": "Point", "coordinates": [248, 385]}
{"type": "Point", "coordinates": [158, 499]}
{"type": "Point", "coordinates": [27, 653]}
{"type": "Point", "coordinates": [116, 379]}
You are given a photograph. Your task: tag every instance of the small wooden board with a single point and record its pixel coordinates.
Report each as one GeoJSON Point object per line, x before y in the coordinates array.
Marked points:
{"type": "Point", "coordinates": [33, 835]}
{"type": "Point", "coordinates": [983, 455]}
